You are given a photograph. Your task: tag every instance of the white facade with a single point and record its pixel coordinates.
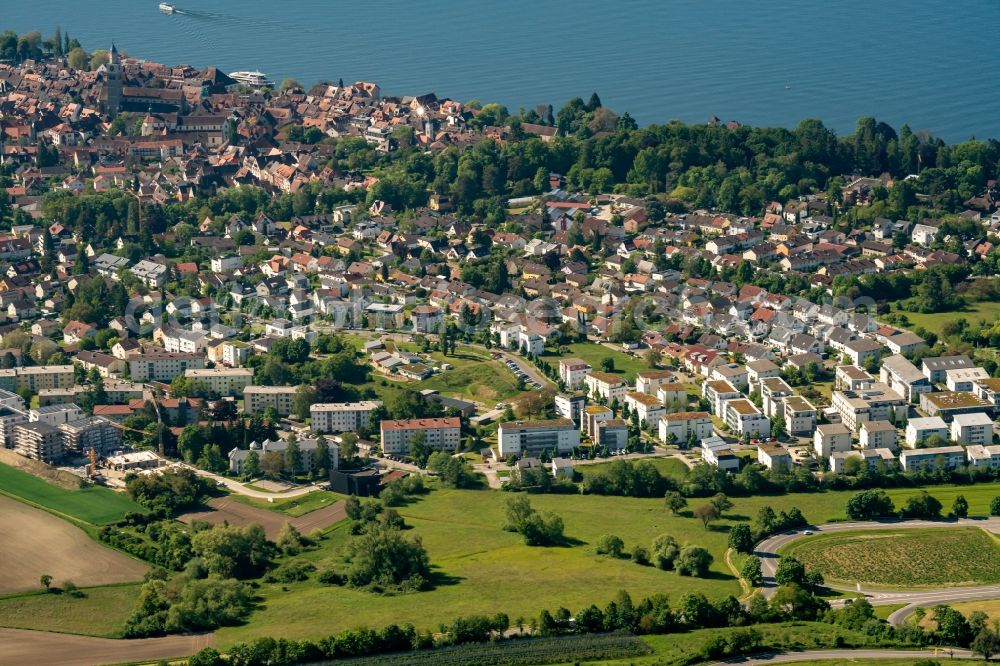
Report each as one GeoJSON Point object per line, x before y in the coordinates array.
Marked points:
{"type": "Point", "coordinates": [683, 424]}
{"type": "Point", "coordinates": [606, 385]}
{"type": "Point", "coordinates": [222, 381]}
{"type": "Point", "coordinates": [572, 371]}
{"type": "Point", "coordinates": [342, 416]}
{"type": "Point", "coordinates": [523, 438]}
{"type": "Point", "coordinates": [831, 438]}
{"type": "Point", "coordinates": [920, 429]}
{"type": "Point", "coordinates": [743, 417]}
{"type": "Point", "coordinates": [976, 428]}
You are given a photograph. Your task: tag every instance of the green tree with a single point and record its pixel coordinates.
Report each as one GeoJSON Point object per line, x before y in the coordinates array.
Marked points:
{"type": "Point", "coordinates": [293, 456]}
{"type": "Point", "coordinates": [608, 364]}
{"type": "Point", "coordinates": [321, 458]}
{"type": "Point", "coordinates": [960, 507]}
{"type": "Point", "coordinates": [675, 501]}
{"type": "Point", "coordinates": [706, 513]}
{"type": "Point", "coordinates": [995, 506]}
{"type": "Point", "coordinates": [741, 538]}
{"type": "Point", "coordinates": [382, 556]}
{"type": "Point", "coordinates": [290, 540]}
{"type": "Point", "coordinates": [694, 561]}
{"type": "Point", "coordinates": [46, 581]}
{"type": "Point", "coordinates": [750, 571]}
{"type": "Point", "coordinates": [665, 551]}
{"type": "Point", "coordinates": [869, 504]}
{"type": "Point", "coordinates": [348, 447]}
{"type": "Point", "coordinates": [610, 545]}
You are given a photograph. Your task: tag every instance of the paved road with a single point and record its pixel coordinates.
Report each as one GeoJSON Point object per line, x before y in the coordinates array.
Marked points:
{"type": "Point", "coordinates": [18, 646]}
{"type": "Point", "coordinates": [767, 552]}
{"type": "Point", "coordinates": [845, 655]}
{"type": "Point", "coordinates": [526, 367]}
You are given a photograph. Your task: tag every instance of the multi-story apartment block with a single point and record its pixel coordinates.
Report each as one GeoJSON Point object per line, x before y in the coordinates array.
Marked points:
{"type": "Point", "coordinates": [717, 392]}
{"type": "Point", "coordinates": [39, 441]}
{"type": "Point", "coordinates": [672, 395]}
{"type": "Point", "coordinates": [851, 378]}
{"type": "Point", "coordinates": [606, 385]}
{"type": "Point", "coordinates": [976, 428]}
{"type": "Point", "coordinates": [877, 402]}
{"type": "Point", "coordinates": [949, 404]}
{"type": "Point", "coordinates": [221, 381]}
{"type": "Point", "coordinates": [934, 367]}
{"type": "Point", "coordinates": [612, 434]}
{"type": "Point", "coordinates": [342, 416]}
{"type": "Point", "coordinates": [531, 438]}
{"type": "Point", "coordinates": [37, 377]}
{"type": "Point", "coordinates": [650, 381]}
{"type": "Point", "coordinates": [591, 416]}
{"type": "Point", "coordinates": [570, 405]}
{"type": "Point", "coordinates": [799, 415]}
{"type": "Point", "coordinates": [918, 430]}
{"type": "Point", "coordinates": [949, 456]}
{"type": "Point", "coordinates": [831, 438]}
{"type": "Point", "coordinates": [683, 424]}
{"type": "Point", "coordinates": [442, 434]}
{"type": "Point", "coordinates": [773, 391]}
{"type": "Point", "coordinates": [878, 435]}
{"type": "Point", "coordinates": [987, 457]}
{"type": "Point", "coordinates": [743, 417]}
{"type": "Point", "coordinates": [257, 399]}
{"type": "Point", "coordinates": [56, 414]}
{"type": "Point", "coordinates": [649, 409]}
{"type": "Point", "coordinates": [95, 433]}
{"type": "Point", "coordinates": [162, 366]}
{"type": "Point", "coordinates": [904, 378]}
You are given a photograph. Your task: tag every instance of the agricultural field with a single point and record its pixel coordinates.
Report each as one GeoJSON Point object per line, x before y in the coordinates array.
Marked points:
{"type": "Point", "coordinates": [34, 542]}
{"type": "Point", "coordinates": [592, 353]}
{"type": "Point", "coordinates": [239, 513]}
{"type": "Point", "coordinates": [93, 505]}
{"type": "Point", "coordinates": [102, 611]}
{"type": "Point", "coordinates": [904, 558]}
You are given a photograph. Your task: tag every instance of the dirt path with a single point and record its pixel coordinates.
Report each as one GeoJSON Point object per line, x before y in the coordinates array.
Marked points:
{"type": "Point", "coordinates": [34, 542]}
{"type": "Point", "coordinates": [224, 509]}
{"type": "Point", "coordinates": [18, 646]}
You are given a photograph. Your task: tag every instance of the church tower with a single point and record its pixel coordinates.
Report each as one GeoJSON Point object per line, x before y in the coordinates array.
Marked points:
{"type": "Point", "coordinates": [113, 82]}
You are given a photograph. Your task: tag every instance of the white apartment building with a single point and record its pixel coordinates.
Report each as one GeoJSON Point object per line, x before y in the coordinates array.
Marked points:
{"type": "Point", "coordinates": [799, 415]}
{"type": "Point", "coordinates": [950, 456]}
{"type": "Point", "coordinates": [983, 456]}
{"type": "Point", "coordinates": [222, 381]}
{"type": "Point", "coordinates": [976, 428]}
{"type": "Point", "coordinates": [717, 392]}
{"type": "Point", "coordinates": [591, 417]}
{"type": "Point", "coordinates": [683, 424]}
{"type": "Point", "coordinates": [650, 381]}
{"type": "Point", "coordinates": [257, 399]}
{"type": "Point", "coordinates": [570, 406]}
{"type": "Point", "coordinates": [444, 434]}
{"type": "Point", "coordinates": [773, 391]}
{"type": "Point", "coordinates": [342, 416]}
{"type": "Point", "coordinates": [672, 395]}
{"type": "Point", "coordinates": [878, 435]}
{"type": "Point", "coordinates": [963, 379]}
{"type": "Point", "coordinates": [572, 371]}
{"type": "Point", "coordinates": [831, 438]}
{"type": "Point", "coordinates": [874, 403]}
{"type": "Point", "coordinates": [649, 409]}
{"type": "Point", "coordinates": [773, 456]}
{"type": "Point", "coordinates": [55, 415]}
{"type": "Point", "coordinates": [743, 417]}
{"type": "Point", "coordinates": [606, 385]}
{"type": "Point", "coordinates": [531, 438]}
{"type": "Point", "coordinates": [920, 429]}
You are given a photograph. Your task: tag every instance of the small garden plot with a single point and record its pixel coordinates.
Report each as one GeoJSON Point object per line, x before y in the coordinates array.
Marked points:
{"type": "Point", "coordinates": [947, 556]}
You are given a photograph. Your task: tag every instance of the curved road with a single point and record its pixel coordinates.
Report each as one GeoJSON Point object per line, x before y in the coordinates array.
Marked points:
{"type": "Point", "coordinates": [845, 655]}
{"type": "Point", "coordinates": [767, 551]}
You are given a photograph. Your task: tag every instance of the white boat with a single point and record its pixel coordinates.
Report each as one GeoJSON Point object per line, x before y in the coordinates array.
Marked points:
{"type": "Point", "coordinates": [256, 79]}
{"type": "Point", "coordinates": [166, 8]}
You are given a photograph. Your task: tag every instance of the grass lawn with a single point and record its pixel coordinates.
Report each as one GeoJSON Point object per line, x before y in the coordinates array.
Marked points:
{"type": "Point", "coordinates": [293, 506]}
{"type": "Point", "coordinates": [669, 467]}
{"type": "Point", "coordinates": [94, 505]}
{"type": "Point", "coordinates": [474, 375]}
{"type": "Point", "coordinates": [988, 310]}
{"type": "Point", "coordinates": [904, 558]}
{"type": "Point", "coordinates": [883, 612]}
{"type": "Point", "coordinates": [491, 570]}
{"type": "Point", "coordinates": [102, 612]}
{"type": "Point", "coordinates": [593, 354]}
{"type": "Point", "coordinates": [989, 606]}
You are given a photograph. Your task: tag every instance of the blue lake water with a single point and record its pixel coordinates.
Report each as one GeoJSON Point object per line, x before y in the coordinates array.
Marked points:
{"type": "Point", "coordinates": [929, 64]}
